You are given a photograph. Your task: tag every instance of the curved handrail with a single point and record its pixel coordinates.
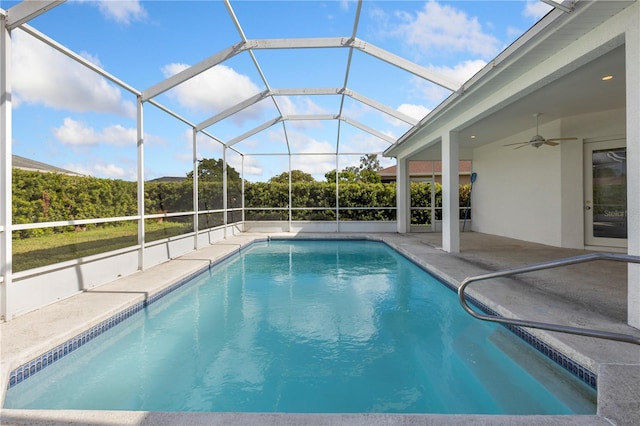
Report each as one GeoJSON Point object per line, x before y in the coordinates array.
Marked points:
{"type": "Point", "coordinates": [542, 325]}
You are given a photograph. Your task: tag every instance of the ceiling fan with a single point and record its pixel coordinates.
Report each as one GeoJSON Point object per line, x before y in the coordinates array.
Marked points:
{"type": "Point", "coordinates": [537, 141]}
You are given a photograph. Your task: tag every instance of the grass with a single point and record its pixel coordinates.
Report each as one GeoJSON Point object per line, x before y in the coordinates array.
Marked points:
{"type": "Point", "coordinates": [44, 250]}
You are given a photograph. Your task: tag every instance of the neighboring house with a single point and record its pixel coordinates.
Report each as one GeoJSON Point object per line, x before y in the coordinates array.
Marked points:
{"type": "Point", "coordinates": [420, 170]}
{"type": "Point", "coordinates": [168, 179]}
{"type": "Point", "coordinates": [23, 163]}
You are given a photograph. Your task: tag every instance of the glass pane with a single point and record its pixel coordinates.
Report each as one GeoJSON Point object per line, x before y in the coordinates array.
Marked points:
{"type": "Point", "coordinates": [610, 193]}
{"type": "Point", "coordinates": [421, 209]}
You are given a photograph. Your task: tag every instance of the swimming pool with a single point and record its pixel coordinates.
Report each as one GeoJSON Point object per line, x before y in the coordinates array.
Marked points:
{"type": "Point", "coordinates": [307, 326]}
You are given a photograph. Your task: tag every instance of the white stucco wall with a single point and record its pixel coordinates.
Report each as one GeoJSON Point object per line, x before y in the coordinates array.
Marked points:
{"type": "Point", "coordinates": [516, 188]}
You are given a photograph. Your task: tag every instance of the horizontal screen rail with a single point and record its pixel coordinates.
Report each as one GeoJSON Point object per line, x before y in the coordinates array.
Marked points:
{"type": "Point", "coordinates": [599, 334]}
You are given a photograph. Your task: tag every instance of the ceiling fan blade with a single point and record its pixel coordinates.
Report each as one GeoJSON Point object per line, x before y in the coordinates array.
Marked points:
{"type": "Point", "coordinates": [517, 143]}
{"type": "Point", "coordinates": [562, 139]}
{"type": "Point", "coordinates": [551, 142]}
{"type": "Point", "coordinates": [522, 146]}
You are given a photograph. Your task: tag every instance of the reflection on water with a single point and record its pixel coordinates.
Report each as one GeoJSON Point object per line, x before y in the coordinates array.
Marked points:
{"type": "Point", "coordinates": [307, 326]}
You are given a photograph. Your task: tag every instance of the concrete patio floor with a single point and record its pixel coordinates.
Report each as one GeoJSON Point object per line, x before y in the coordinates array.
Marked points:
{"type": "Point", "coordinates": [591, 295]}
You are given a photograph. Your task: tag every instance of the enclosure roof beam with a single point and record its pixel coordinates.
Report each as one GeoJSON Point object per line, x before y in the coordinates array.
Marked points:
{"type": "Point", "coordinates": [566, 6]}
{"type": "Point", "coordinates": [301, 92]}
{"type": "Point", "coordinates": [232, 51]}
{"type": "Point", "coordinates": [404, 64]}
{"type": "Point", "coordinates": [25, 11]}
{"type": "Point", "coordinates": [286, 118]}
{"type": "Point", "coordinates": [302, 117]}
{"type": "Point", "coordinates": [233, 110]}
{"type": "Point", "coordinates": [368, 129]}
{"type": "Point", "coordinates": [71, 54]}
{"type": "Point", "coordinates": [305, 91]}
{"type": "Point", "coordinates": [253, 131]}
{"type": "Point", "coordinates": [297, 43]}
{"type": "Point", "coordinates": [381, 107]}
{"type": "Point", "coordinates": [192, 71]}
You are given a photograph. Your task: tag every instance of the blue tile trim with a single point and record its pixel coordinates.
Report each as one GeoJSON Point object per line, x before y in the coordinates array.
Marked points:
{"type": "Point", "coordinates": [30, 368]}
{"type": "Point", "coordinates": [575, 368]}
{"type": "Point", "coordinates": [37, 364]}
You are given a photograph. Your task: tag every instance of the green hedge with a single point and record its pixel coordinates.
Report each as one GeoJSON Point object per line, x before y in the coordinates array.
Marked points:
{"type": "Point", "coordinates": [50, 197]}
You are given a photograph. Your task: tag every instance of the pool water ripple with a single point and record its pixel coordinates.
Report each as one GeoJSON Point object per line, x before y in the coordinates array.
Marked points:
{"type": "Point", "coordinates": [308, 327]}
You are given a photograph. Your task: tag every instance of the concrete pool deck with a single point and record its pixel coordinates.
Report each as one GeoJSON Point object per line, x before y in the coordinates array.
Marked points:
{"type": "Point", "coordinates": [591, 295]}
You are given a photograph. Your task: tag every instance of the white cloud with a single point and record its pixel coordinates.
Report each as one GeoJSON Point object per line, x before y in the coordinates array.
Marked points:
{"type": "Point", "coordinates": [362, 142]}
{"type": "Point", "coordinates": [251, 165]}
{"type": "Point", "coordinates": [110, 170]}
{"type": "Point", "coordinates": [123, 11]}
{"type": "Point", "coordinates": [213, 90]}
{"type": "Point", "coordinates": [44, 76]}
{"type": "Point", "coordinates": [462, 71]}
{"type": "Point", "coordinates": [73, 132]}
{"type": "Point", "coordinates": [101, 170]}
{"type": "Point", "coordinates": [416, 111]}
{"type": "Point", "coordinates": [514, 32]}
{"type": "Point", "coordinates": [444, 27]}
{"type": "Point", "coordinates": [299, 105]}
{"type": "Point", "coordinates": [536, 9]}
{"type": "Point", "coordinates": [302, 143]}
{"type": "Point", "coordinates": [433, 93]}
{"type": "Point", "coordinates": [78, 168]}
{"type": "Point", "coordinates": [118, 135]}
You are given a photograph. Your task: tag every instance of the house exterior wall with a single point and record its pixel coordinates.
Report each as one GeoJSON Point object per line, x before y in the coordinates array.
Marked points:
{"type": "Point", "coordinates": [518, 187]}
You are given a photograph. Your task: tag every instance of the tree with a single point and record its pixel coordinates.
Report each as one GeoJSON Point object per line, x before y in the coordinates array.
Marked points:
{"type": "Point", "coordinates": [369, 168]}
{"type": "Point", "coordinates": [296, 176]}
{"type": "Point", "coordinates": [370, 162]}
{"type": "Point", "coordinates": [211, 170]}
{"type": "Point", "coordinates": [366, 172]}
{"type": "Point", "coordinates": [348, 174]}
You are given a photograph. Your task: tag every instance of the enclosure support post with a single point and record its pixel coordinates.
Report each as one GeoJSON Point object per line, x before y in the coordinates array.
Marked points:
{"type": "Point", "coordinates": [290, 195]}
{"type": "Point", "coordinates": [5, 179]}
{"type": "Point", "coordinates": [403, 199]}
{"type": "Point", "coordinates": [450, 193]}
{"type": "Point", "coordinates": [141, 239]}
{"type": "Point", "coordinates": [632, 61]}
{"type": "Point", "coordinates": [242, 193]}
{"type": "Point", "coordinates": [225, 192]}
{"type": "Point", "coordinates": [337, 194]}
{"type": "Point", "coordinates": [194, 145]}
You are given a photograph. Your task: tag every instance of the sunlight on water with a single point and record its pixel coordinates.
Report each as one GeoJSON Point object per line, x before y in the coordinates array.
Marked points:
{"type": "Point", "coordinates": [308, 326]}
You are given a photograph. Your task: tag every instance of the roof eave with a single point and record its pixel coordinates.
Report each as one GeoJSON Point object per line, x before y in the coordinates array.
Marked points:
{"type": "Point", "coordinates": [493, 69]}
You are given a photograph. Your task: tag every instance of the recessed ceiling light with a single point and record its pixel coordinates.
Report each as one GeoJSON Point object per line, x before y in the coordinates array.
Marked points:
{"type": "Point", "coordinates": [607, 77]}
{"type": "Point", "coordinates": [472, 136]}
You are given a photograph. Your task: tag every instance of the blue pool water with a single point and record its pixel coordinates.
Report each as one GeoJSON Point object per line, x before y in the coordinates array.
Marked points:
{"type": "Point", "coordinates": [307, 326]}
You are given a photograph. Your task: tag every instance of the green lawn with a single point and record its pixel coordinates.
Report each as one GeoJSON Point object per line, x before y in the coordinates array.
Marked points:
{"type": "Point", "coordinates": [44, 250]}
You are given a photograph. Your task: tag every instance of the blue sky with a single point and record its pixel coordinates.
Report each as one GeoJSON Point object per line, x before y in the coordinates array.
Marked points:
{"type": "Point", "coordinates": [65, 115]}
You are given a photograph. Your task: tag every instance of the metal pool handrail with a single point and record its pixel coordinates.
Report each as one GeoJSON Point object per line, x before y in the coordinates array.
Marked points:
{"type": "Point", "coordinates": [542, 325]}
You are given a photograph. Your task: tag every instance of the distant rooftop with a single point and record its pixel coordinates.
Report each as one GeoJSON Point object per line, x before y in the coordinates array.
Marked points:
{"type": "Point", "coordinates": [168, 179]}
{"type": "Point", "coordinates": [23, 163]}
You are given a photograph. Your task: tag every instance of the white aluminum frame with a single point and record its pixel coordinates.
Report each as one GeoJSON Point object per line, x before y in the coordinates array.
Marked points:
{"type": "Point", "coordinates": [17, 18]}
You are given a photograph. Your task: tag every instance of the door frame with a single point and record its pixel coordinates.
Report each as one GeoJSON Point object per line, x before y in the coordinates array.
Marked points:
{"type": "Point", "coordinates": [589, 146]}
